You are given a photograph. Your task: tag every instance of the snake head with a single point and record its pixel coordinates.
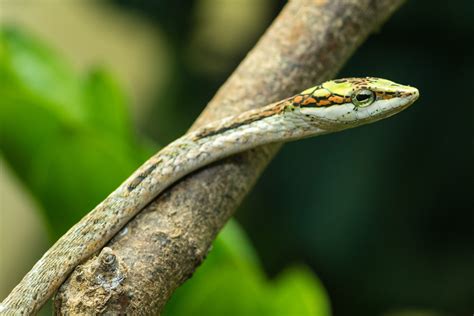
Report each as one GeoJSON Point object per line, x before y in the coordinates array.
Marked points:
{"type": "Point", "coordinates": [350, 102]}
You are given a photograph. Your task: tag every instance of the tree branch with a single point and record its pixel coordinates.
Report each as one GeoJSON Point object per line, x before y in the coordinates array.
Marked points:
{"type": "Point", "coordinates": [160, 249]}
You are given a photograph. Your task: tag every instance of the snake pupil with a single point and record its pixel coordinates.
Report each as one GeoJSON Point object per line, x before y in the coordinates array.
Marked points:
{"type": "Point", "coordinates": [363, 98]}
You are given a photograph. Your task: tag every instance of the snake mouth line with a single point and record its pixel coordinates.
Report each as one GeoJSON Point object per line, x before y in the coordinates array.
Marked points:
{"type": "Point", "coordinates": [368, 119]}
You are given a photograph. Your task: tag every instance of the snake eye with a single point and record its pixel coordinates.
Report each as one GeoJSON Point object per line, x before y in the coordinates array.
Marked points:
{"type": "Point", "coordinates": [363, 98]}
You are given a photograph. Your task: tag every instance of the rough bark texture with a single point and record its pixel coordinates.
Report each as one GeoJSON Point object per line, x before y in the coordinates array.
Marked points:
{"type": "Point", "coordinates": [161, 248]}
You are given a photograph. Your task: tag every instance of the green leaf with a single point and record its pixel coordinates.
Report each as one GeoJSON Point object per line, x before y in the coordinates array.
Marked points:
{"type": "Point", "coordinates": [298, 292]}
{"type": "Point", "coordinates": [231, 282]}
{"type": "Point", "coordinates": [77, 171]}
{"type": "Point", "coordinates": [69, 140]}
{"type": "Point", "coordinates": [29, 66]}
{"type": "Point", "coordinates": [105, 105]}
{"type": "Point", "coordinates": [26, 128]}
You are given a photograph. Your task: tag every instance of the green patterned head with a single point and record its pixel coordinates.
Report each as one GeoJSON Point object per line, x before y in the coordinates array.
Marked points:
{"type": "Point", "coordinates": [355, 101]}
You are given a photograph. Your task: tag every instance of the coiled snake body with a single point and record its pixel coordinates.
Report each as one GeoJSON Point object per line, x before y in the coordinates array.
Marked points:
{"type": "Point", "coordinates": [332, 106]}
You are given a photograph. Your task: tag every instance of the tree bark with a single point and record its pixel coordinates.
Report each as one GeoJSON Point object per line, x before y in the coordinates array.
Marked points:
{"type": "Point", "coordinates": [160, 249]}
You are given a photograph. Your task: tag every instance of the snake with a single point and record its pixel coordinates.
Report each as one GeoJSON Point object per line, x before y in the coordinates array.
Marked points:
{"type": "Point", "coordinates": [332, 106]}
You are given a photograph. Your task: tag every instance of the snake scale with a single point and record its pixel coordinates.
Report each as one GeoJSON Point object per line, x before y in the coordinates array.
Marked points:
{"type": "Point", "coordinates": [332, 106]}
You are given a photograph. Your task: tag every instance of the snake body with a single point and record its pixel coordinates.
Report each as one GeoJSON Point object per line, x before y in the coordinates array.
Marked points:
{"type": "Point", "coordinates": [332, 106]}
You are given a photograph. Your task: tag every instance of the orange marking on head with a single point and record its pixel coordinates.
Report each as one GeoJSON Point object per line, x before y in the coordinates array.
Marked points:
{"type": "Point", "coordinates": [309, 101]}
{"type": "Point", "coordinates": [298, 99]}
{"type": "Point", "coordinates": [323, 102]}
{"type": "Point", "coordinates": [336, 99]}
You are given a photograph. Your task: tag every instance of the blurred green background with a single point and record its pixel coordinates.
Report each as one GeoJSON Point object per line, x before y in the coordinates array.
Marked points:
{"type": "Point", "coordinates": [382, 214]}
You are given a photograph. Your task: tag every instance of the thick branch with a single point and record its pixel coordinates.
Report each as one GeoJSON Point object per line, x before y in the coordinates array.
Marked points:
{"type": "Point", "coordinates": [161, 248]}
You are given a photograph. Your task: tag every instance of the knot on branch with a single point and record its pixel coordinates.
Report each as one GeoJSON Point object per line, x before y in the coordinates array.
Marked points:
{"type": "Point", "coordinates": [99, 286]}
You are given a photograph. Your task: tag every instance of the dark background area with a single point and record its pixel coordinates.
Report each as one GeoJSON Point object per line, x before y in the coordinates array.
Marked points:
{"type": "Point", "coordinates": [383, 214]}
